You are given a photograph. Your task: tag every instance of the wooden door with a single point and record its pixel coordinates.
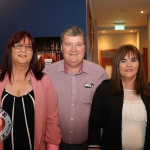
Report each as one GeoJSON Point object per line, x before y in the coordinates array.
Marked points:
{"type": "Point", "coordinates": [106, 58]}
{"type": "Point", "coordinates": [145, 61]}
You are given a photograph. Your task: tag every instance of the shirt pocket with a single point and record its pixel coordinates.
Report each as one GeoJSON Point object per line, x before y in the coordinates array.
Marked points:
{"type": "Point", "coordinates": [87, 95]}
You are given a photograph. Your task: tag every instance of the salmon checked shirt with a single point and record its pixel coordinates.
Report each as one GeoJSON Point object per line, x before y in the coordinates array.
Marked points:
{"type": "Point", "coordinates": [75, 93]}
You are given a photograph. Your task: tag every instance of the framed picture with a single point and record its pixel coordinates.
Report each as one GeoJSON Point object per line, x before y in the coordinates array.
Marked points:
{"type": "Point", "coordinates": [48, 50]}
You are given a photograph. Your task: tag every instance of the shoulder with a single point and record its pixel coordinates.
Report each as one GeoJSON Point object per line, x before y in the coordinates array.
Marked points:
{"type": "Point", "coordinates": [54, 65]}
{"type": "Point", "coordinates": [52, 68]}
{"type": "Point", "coordinates": [45, 77]}
{"type": "Point", "coordinates": [46, 81]}
{"type": "Point", "coordinates": [105, 84]}
{"type": "Point", "coordinates": [92, 66]}
{"type": "Point", "coordinates": [95, 69]}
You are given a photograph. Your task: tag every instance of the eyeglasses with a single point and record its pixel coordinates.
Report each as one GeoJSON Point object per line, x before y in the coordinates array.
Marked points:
{"type": "Point", "coordinates": [20, 46]}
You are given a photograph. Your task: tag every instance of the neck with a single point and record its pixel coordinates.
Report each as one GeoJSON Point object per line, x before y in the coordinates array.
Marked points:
{"type": "Point", "coordinates": [19, 72]}
{"type": "Point", "coordinates": [128, 85]}
{"type": "Point", "coordinates": [73, 69]}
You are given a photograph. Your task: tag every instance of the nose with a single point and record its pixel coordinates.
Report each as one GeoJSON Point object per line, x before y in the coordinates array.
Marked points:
{"type": "Point", "coordinates": [23, 49]}
{"type": "Point", "coordinates": [129, 63]}
{"type": "Point", "coordinates": [73, 48]}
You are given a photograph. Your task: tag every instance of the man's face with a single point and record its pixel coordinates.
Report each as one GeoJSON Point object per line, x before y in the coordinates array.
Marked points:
{"type": "Point", "coordinates": [73, 50]}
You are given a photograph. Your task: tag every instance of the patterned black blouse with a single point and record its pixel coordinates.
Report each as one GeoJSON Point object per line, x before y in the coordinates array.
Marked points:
{"type": "Point", "coordinates": [21, 112]}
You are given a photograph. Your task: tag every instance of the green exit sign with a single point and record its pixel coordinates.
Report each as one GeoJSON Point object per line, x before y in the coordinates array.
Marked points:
{"type": "Point", "coordinates": [119, 27]}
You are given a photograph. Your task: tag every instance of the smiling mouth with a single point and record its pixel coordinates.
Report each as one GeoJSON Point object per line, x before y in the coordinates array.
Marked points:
{"type": "Point", "coordinates": [73, 54]}
{"type": "Point", "coordinates": [22, 55]}
{"type": "Point", "coordinates": [129, 70]}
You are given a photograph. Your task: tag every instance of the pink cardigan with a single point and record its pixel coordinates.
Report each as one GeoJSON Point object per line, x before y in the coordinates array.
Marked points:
{"type": "Point", "coordinates": [47, 132]}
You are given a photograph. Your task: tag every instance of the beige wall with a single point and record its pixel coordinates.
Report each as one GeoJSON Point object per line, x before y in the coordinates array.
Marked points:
{"type": "Point", "coordinates": [139, 39]}
{"type": "Point", "coordinates": [113, 41]}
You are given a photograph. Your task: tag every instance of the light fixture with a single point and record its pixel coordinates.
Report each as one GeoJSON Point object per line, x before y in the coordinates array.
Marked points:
{"type": "Point", "coordinates": [119, 26]}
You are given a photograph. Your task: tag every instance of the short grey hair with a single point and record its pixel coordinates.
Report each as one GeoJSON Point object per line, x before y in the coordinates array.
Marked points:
{"type": "Point", "coordinates": [73, 31]}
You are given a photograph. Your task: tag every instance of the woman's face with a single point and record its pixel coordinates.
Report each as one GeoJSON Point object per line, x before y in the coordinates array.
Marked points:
{"type": "Point", "coordinates": [129, 67]}
{"type": "Point", "coordinates": [22, 52]}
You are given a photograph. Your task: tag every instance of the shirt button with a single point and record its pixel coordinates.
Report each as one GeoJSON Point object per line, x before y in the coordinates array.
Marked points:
{"type": "Point", "coordinates": [71, 132]}
{"type": "Point", "coordinates": [72, 104]}
{"type": "Point", "coordinates": [71, 119]}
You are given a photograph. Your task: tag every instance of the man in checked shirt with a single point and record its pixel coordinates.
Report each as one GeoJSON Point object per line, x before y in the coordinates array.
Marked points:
{"type": "Point", "coordinates": [75, 80]}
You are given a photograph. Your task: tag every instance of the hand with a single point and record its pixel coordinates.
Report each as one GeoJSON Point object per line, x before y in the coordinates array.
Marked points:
{"type": "Point", "coordinates": [2, 124]}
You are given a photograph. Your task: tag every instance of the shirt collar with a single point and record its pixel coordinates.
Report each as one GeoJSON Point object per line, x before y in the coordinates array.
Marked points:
{"type": "Point", "coordinates": [63, 67]}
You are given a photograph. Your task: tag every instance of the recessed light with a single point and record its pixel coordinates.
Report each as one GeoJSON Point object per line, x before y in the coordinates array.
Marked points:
{"type": "Point", "coordinates": [103, 31]}
{"type": "Point", "coordinates": [142, 12]}
{"type": "Point", "coordinates": [131, 31]}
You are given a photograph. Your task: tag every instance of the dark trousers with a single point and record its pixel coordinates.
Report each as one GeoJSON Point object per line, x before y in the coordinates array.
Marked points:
{"type": "Point", "coordinates": [64, 146]}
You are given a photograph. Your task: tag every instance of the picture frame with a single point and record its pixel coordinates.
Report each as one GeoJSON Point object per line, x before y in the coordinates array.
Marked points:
{"type": "Point", "coordinates": [48, 50]}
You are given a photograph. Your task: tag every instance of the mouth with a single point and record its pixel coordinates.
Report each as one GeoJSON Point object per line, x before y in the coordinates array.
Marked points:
{"type": "Point", "coordinates": [128, 70]}
{"type": "Point", "coordinates": [73, 54]}
{"type": "Point", "coordinates": [23, 56]}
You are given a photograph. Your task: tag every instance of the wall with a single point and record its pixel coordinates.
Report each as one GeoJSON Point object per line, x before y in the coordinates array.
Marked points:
{"type": "Point", "coordinates": [138, 40]}
{"type": "Point", "coordinates": [143, 38]}
{"type": "Point", "coordinates": [113, 41]}
{"type": "Point", "coordinates": [46, 18]}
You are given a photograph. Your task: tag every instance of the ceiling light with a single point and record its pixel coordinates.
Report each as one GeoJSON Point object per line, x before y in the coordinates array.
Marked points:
{"type": "Point", "coordinates": [103, 31]}
{"type": "Point", "coordinates": [142, 12]}
{"type": "Point", "coordinates": [119, 26]}
{"type": "Point", "coordinates": [131, 31]}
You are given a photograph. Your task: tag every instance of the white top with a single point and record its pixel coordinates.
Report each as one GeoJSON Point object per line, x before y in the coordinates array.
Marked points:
{"type": "Point", "coordinates": [134, 120]}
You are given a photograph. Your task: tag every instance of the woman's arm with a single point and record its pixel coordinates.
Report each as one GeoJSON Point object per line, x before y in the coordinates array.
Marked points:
{"type": "Point", "coordinates": [53, 135]}
{"type": "Point", "coordinates": [95, 120]}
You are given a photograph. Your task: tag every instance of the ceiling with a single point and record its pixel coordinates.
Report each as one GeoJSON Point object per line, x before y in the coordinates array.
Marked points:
{"type": "Point", "coordinates": [108, 12]}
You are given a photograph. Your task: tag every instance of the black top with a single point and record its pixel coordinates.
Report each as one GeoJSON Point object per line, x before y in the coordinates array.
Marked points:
{"type": "Point", "coordinates": [106, 114]}
{"type": "Point", "coordinates": [22, 133]}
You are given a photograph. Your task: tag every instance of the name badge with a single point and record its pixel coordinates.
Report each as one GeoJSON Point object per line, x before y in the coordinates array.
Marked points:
{"type": "Point", "coordinates": [86, 85]}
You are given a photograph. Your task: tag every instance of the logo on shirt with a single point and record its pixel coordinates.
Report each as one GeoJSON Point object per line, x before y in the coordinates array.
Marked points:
{"type": "Point", "coordinates": [5, 125]}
